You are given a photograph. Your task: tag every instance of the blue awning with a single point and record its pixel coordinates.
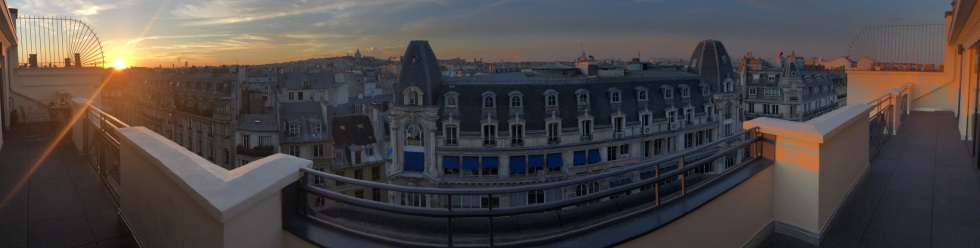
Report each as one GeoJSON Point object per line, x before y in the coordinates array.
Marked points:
{"type": "Point", "coordinates": [579, 157]}
{"type": "Point", "coordinates": [535, 161]}
{"type": "Point", "coordinates": [518, 164]}
{"type": "Point", "coordinates": [471, 163]}
{"type": "Point", "coordinates": [594, 156]}
{"type": "Point", "coordinates": [450, 162]}
{"type": "Point", "coordinates": [490, 162]}
{"type": "Point", "coordinates": [554, 160]}
{"type": "Point", "coordinates": [414, 161]}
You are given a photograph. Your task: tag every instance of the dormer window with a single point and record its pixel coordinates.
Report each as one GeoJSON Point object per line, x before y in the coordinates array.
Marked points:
{"type": "Point", "coordinates": [317, 129]}
{"type": "Point", "coordinates": [615, 95]}
{"type": "Point", "coordinates": [293, 129]}
{"type": "Point", "coordinates": [551, 100]}
{"type": "Point", "coordinates": [515, 99]}
{"type": "Point", "coordinates": [772, 78]}
{"type": "Point", "coordinates": [685, 92]}
{"type": "Point", "coordinates": [705, 90]}
{"type": "Point", "coordinates": [641, 94]}
{"type": "Point", "coordinates": [668, 93]}
{"type": "Point", "coordinates": [488, 100]}
{"type": "Point", "coordinates": [412, 95]}
{"type": "Point", "coordinates": [583, 97]}
{"type": "Point", "coordinates": [451, 99]}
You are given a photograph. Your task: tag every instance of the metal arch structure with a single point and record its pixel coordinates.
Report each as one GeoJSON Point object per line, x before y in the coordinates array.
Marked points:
{"type": "Point", "coordinates": [57, 42]}
{"type": "Point", "coordinates": [903, 43]}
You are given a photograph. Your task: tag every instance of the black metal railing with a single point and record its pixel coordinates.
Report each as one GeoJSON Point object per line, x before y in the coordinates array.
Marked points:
{"type": "Point", "coordinates": [101, 146]}
{"type": "Point", "coordinates": [526, 214]}
{"type": "Point", "coordinates": [882, 121]}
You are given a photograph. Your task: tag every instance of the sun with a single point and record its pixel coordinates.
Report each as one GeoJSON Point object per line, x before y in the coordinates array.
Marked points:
{"type": "Point", "coordinates": [119, 64]}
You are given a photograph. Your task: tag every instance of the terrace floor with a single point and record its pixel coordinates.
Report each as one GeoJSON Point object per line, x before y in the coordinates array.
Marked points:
{"type": "Point", "coordinates": [922, 191]}
{"type": "Point", "coordinates": [62, 204]}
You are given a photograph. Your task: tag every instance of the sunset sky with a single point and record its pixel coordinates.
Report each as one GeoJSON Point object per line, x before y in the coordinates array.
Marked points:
{"type": "Point", "coordinates": [152, 33]}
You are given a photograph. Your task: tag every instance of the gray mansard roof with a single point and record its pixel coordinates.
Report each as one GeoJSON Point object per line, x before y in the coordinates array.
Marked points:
{"type": "Point", "coordinates": [305, 114]}
{"type": "Point", "coordinates": [257, 123]}
{"type": "Point", "coordinates": [532, 87]}
{"type": "Point", "coordinates": [318, 80]}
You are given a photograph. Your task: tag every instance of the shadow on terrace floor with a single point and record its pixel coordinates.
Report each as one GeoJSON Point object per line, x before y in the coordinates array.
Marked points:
{"type": "Point", "coordinates": [62, 204]}
{"type": "Point", "coordinates": [921, 191]}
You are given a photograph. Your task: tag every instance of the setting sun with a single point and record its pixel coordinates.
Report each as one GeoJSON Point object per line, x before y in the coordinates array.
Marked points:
{"type": "Point", "coordinates": [119, 64]}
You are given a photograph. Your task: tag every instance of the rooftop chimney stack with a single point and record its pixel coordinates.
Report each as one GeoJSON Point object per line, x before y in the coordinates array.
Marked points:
{"type": "Point", "coordinates": [78, 60]}
{"type": "Point", "coordinates": [32, 60]}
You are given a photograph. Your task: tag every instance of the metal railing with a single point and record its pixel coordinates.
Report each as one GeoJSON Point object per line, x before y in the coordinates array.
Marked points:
{"type": "Point", "coordinates": [525, 214]}
{"type": "Point", "coordinates": [882, 121]}
{"type": "Point", "coordinates": [101, 146]}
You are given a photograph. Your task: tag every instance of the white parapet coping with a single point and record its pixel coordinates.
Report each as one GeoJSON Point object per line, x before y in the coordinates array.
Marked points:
{"type": "Point", "coordinates": [222, 193]}
{"type": "Point", "coordinates": [817, 163]}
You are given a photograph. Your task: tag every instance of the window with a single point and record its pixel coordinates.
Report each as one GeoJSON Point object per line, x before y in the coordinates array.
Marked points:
{"type": "Point", "coordinates": [489, 135]}
{"type": "Point", "coordinates": [752, 91]}
{"type": "Point", "coordinates": [624, 150]}
{"type": "Point", "coordinates": [583, 98]}
{"type": "Point", "coordinates": [646, 149]}
{"type": "Point", "coordinates": [299, 95]}
{"type": "Point", "coordinates": [318, 180]}
{"type": "Point", "coordinates": [551, 98]}
{"type": "Point", "coordinates": [710, 135]}
{"type": "Point", "coordinates": [699, 140]}
{"type": "Point", "coordinates": [413, 96]}
{"type": "Point", "coordinates": [451, 99]}
{"type": "Point", "coordinates": [618, 123]}
{"type": "Point", "coordinates": [553, 133]}
{"type": "Point", "coordinates": [517, 135]}
{"type": "Point", "coordinates": [413, 135]}
{"type": "Point", "coordinates": [291, 96]}
{"type": "Point", "coordinates": [535, 197]}
{"type": "Point", "coordinates": [641, 94]}
{"type": "Point", "coordinates": [293, 129]}
{"type": "Point", "coordinates": [294, 150]}
{"type": "Point", "coordinates": [265, 140]}
{"type": "Point", "coordinates": [359, 174]}
{"type": "Point", "coordinates": [658, 147]}
{"type": "Point", "coordinates": [611, 154]}
{"type": "Point", "coordinates": [671, 114]}
{"type": "Point", "coordinates": [452, 135]}
{"type": "Point", "coordinates": [376, 194]}
{"type": "Point", "coordinates": [318, 151]}
{"type": "Point", "coordinates": [339, 173]}
{"type": "Point", "coordinates": [317, 129]}
{"type": "Point", "coordinates": [688, 140]}
{"type": "Point", "coordinates": [685, 92]}
{"type": "Point", "coordinates": [245, 141]}
{"type": "Point", "coordinates": [586, 127]}
{"type": "Point", "coordinates": [376, 173]}
{"type": "Point", "coordinates": [668, 93]}
{"type": "Point", "coordinates": [705, 90]}
{"type": "Point", "coordinates": [359, 194]}
{"type": "Point", "coordinates": [488, 101]}
{"type": "Point", "coordinates": [614, 97]}
{"type": "Point", "coordinates": [771, 92]}
{"type": "Point", "coordinates": [709, 111]}
{"type": "Point", "coordinates": [515, 99]}
{"type": "Point", "coordinates": [645, 120]}
{"type": "Point", "coordinates": [772, 78]}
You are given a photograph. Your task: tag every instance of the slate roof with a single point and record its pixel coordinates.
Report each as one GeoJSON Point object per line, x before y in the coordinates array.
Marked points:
{"type": "Point", "coordinates": [318, 80]}
{"type": "Point", "coordinates": [258, 123]}
{"type": "Point", "coordinates": [305, 114]}
{"type": "Point", "coordinates": [352, 130]}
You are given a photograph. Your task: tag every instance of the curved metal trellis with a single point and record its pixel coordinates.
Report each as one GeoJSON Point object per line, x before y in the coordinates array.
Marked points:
{"type": "Point", "coordinates": [57, 42]}
{"type": "Point", "coordinates": [905, 43]}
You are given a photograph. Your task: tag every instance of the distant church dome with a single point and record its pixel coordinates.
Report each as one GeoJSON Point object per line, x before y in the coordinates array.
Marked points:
{"type": "Point", "coordinates": [357, 54]}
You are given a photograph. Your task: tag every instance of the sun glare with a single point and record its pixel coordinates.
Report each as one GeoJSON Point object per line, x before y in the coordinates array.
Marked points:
{"type": "Point", "coordinates": [119, 64]}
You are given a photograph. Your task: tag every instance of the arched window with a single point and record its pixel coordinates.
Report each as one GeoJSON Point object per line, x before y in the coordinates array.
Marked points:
{"type": "Point", "coordinates": [615, 96]}
{"type": "Point", "coordinates": [413, 135]}
{"type": "Point", "coordinates": [488, 100]}
{"type": "Point", "coordinates": [583, 97]}
{"type": "Point", "coordinates": [451, 99]}
{"type": "Point", "coordinates": [516, 100]}
{"type": "Point", "coordinates": [413, 96]}
{"type": "Point", "coordinates": [551, 98]}
{"type": "Point", "coordinates": [642, 95]}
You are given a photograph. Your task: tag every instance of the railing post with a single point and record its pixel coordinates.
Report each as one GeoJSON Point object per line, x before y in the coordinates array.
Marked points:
{"type": "Point", "coordinates": [490, 222]}
{"type": "Point", "coordinates": [656, 185]}
{"type": "Point", "coordinates": [449, 230]}
{"type": "Point", "coordinates": [683, 174]}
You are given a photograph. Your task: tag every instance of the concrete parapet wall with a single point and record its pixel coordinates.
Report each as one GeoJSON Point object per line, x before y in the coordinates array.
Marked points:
{"type": "Point", "coordinates": [174, 198]}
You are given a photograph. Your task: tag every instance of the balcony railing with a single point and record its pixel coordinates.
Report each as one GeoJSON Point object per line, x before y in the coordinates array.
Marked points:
{"type": "Point", "coordinates": [536, 214]}
{"type": "Point", "coordinates": [101, 146]}
{"type": "Point", "coordinates": [258, 151]}
{"type": "Point", "coordinates": [882, 123]}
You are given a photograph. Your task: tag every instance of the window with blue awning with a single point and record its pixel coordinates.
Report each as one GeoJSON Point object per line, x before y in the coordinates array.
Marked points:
{"type": "Point", "coordinates": [554, 160]}
{"type": "Point", "coordinates": [450, 162]}
{"type": "Point", "coordinates": [414, 161]}
{"type": "Point", "coordinates": [471, 163]}
{"type": "Point", "coordinates": [518, 164]}
{"type": "Point", "coordinates": [535, 161]}
{"type": "Point", "coordinates": [594, 156]}
{"type": "Point", "coordinates": [579, 158]}
{"type": "Point", "coordinates": [490, 162]}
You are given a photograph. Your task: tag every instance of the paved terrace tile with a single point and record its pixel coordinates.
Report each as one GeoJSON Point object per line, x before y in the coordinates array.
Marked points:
{"type": "Point", "coordinates": [922, 190]}
{"type": "Point", "coordinates": [62, 204]}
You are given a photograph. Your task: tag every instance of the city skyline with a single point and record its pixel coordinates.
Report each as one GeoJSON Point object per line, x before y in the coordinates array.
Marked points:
{"type": "Point", "coordinates": [151, 34]}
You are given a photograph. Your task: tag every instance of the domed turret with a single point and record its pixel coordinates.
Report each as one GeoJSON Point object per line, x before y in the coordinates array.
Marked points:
{"type": "Point", "coordinates": [712, 63]}
{"type": "Point", "coordinates": [419, 71]}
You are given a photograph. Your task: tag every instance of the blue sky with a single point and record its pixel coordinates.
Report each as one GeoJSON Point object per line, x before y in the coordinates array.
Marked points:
{"type": "Point", "coordinates": [151, 33]}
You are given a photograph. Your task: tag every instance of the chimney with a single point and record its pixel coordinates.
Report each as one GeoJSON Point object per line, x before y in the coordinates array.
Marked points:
{"type": "Point", "coordinates": [32, 60]}
{"type": "Point", "coordinates": [67, 62]}
{"type": "Point", "coordinates": [78, 60]}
